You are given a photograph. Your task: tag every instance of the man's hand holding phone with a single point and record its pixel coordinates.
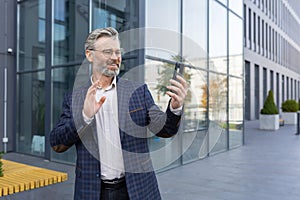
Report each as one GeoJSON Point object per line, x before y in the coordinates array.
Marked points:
{"type": "Point", "coordinates": [178, 88]}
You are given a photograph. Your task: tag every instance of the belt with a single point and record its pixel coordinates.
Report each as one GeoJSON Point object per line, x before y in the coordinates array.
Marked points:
{"type": "Point", "coordinates": [114, 183]}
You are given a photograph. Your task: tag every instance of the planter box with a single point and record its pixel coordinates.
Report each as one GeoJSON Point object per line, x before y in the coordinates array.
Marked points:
{"type": "Point", "coordinates": [289, 117]}
{"type": "Point", "coordinates": [269, 122]}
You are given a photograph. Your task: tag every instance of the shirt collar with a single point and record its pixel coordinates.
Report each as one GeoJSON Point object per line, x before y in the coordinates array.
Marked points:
{"type": "Point", "coordinates": [112, 85]}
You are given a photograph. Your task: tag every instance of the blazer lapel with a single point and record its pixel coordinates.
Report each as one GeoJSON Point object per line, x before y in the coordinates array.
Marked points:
{"type": "Point", "coordinates": [122, 105]}
{"type": "Point", "coordinates": [125, 91]}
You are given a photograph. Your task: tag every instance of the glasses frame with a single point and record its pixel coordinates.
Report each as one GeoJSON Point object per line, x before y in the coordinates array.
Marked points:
{"type": "Point", "coordinates": [109, 52]}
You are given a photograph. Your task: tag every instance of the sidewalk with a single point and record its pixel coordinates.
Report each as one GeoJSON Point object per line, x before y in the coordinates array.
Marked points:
{"type": "Point", "coordinates": [266, 167]}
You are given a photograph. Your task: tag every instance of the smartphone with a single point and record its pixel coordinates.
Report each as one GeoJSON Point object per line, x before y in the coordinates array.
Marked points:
{"type": "Point", "coordinates": [178, 70]}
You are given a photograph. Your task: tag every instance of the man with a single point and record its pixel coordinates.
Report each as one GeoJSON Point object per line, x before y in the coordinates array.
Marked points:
{"type": "Point", "coordinates": [107, 120]}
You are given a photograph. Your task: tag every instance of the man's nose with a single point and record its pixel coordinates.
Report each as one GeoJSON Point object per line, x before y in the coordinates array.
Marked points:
{"type": "Point", "coordinates": [114, 56]}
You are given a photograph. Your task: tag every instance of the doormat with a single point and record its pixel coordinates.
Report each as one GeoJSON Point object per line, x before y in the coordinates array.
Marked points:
{"type": "Point", "coordinates": [20, 177]}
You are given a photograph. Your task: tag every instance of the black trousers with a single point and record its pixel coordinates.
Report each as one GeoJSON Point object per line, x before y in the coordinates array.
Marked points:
{"type": "Point", "coordinates": [114, 191]}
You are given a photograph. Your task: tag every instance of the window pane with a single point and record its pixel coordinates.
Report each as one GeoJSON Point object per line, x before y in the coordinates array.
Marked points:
{"type": "Point", "coordinates": [194, 138]}
{"type": "Point", "coordinates": [223, 2]}
{"type": "Point", "coordinates": [235, 112]}
{"type": "Point", "coordinates": [42, 9]}
{"type": "Point", "coordinates": [236, 6]}
{"type": "Point", "coordinates": [165, 41]}
{"type": "Point", "coordinates": [62, 82]}
{"type": "Point", "coordinates": [194, 38]}
{"type": "Point", "coordinates": [59, 10]}
{"type": "Point", "coordinates": [32, 35]}
{"type": "Point", "coordinates": [31, 113]}
{"type": "Point", "coordinates": [70, 28]}
{"type": "Point", "coordinates": [42, 30]}
{"type": "Point", "coordinates": [235, 45]}
{"type": "Point", "coordinates": [217, 113]}
{"type": "Point", "coordinates": [218, 38]}
{"type": "Point", "coordinates": [110, 13]}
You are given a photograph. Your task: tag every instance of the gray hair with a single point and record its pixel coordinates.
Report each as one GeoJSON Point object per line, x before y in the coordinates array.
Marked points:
{"type": "Point", "coordinates": [98, 33]}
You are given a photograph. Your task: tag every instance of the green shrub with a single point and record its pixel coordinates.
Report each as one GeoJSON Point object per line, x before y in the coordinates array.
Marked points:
{"type": "Point", "coordinates": [289, 105]}
{"type": "Point", "coordinates": [269, 106]}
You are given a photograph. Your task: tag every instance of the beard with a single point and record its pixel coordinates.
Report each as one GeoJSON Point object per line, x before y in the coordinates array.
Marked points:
{"type": "Point", "coordinates": [102, 69]}
{"type": "Point", "coordinates": [110, 73]}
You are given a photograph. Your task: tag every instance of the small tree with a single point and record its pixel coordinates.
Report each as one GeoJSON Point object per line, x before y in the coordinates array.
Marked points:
{"type": "Point", "coordinates": [289, 105]}
{"type": "Point", "coordinates": [269, 106]}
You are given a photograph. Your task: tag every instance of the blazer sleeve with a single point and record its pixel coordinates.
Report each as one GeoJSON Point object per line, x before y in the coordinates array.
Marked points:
{"type": "Point", "coordinates": [64, 134]}
{"type": "Point", "coordinates": [162, 124]}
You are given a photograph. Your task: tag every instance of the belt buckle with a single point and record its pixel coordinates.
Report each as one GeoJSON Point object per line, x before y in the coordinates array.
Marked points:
{"type": "Point", "coordinates": [113, 182]}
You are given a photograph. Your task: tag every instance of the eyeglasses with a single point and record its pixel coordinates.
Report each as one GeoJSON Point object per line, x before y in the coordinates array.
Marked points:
{"type": "Point", "coordinates": [109, 52]}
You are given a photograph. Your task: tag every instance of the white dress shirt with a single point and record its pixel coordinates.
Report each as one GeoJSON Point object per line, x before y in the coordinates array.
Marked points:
{"type": "Point", "coordinates": [111, 157]}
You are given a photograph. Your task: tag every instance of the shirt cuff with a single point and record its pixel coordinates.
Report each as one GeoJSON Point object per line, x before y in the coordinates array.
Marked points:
{"type": "Point", "coordinates": [176, 111]}
{"type": "Point", "coordinates": [87, 119]}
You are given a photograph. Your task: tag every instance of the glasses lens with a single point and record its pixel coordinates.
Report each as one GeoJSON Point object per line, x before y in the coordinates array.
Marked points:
{"type": "Point", "coordinates": [109, 52]}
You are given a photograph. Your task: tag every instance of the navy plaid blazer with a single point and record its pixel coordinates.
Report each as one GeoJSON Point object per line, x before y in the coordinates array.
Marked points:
{"type": "Point", "coordinates": [137, 112]}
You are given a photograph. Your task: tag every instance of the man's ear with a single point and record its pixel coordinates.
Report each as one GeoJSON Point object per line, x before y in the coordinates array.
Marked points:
{"type": "Point", "coordinates": [89, 55]}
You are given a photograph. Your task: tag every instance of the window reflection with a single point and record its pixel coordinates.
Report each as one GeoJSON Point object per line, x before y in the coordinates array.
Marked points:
{"type": "Point", "coordinates": [42, 30]}
{"type": "Point", "coordinates": [42, 19]}
{"type": "Point", "coordinates": [62, 82]}
{"type": "Point", "coordinates": [165, 41]}
{"type": "Point", "coordinates": [109, 13]}
{"type": "Point", "coordinates": [162, 43]}
{"type": "Point", "coordinates": [236, 6]}
{"type": "Point", "coordinates": [223, 2]}
{"type": "Point", "coordinates": [217, 113]}
{"type": "Point", "coordinates": [166, 15]}
{"type": "Point", "coordinates": [194, 139]}
{"type": "Point", "coordinates": [236, 107]}
{"type": "Point", "coordinates": [235, 45]}
{"type": "Point", "coordinates": [59, 10]}
{"type": "Point", "coordinates": [218, 38]}
{"type": "Point", "coordinates": [194, 38]}
{"type": "Point", "coordinates": [32, 34]}
{"type": "Point", "coordinates": [69, 30]}
{"type": "Point", "coordinates": [31, 109]}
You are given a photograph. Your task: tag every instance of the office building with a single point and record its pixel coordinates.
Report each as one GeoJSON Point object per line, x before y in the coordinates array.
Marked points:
{"type": "Point", "coordinates": [271, 52]}
{"type": "Point", "coordinates": [43, 48]}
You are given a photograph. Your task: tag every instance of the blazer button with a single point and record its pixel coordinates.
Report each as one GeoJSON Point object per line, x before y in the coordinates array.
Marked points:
{"type": "Point", "coordinates": [97, 175]}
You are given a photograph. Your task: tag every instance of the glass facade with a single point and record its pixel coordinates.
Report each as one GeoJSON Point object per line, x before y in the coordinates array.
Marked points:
{"type": "Point", "coordinates": [31, 78]}
{"type": "Point", "coordinates": [204, 35]}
